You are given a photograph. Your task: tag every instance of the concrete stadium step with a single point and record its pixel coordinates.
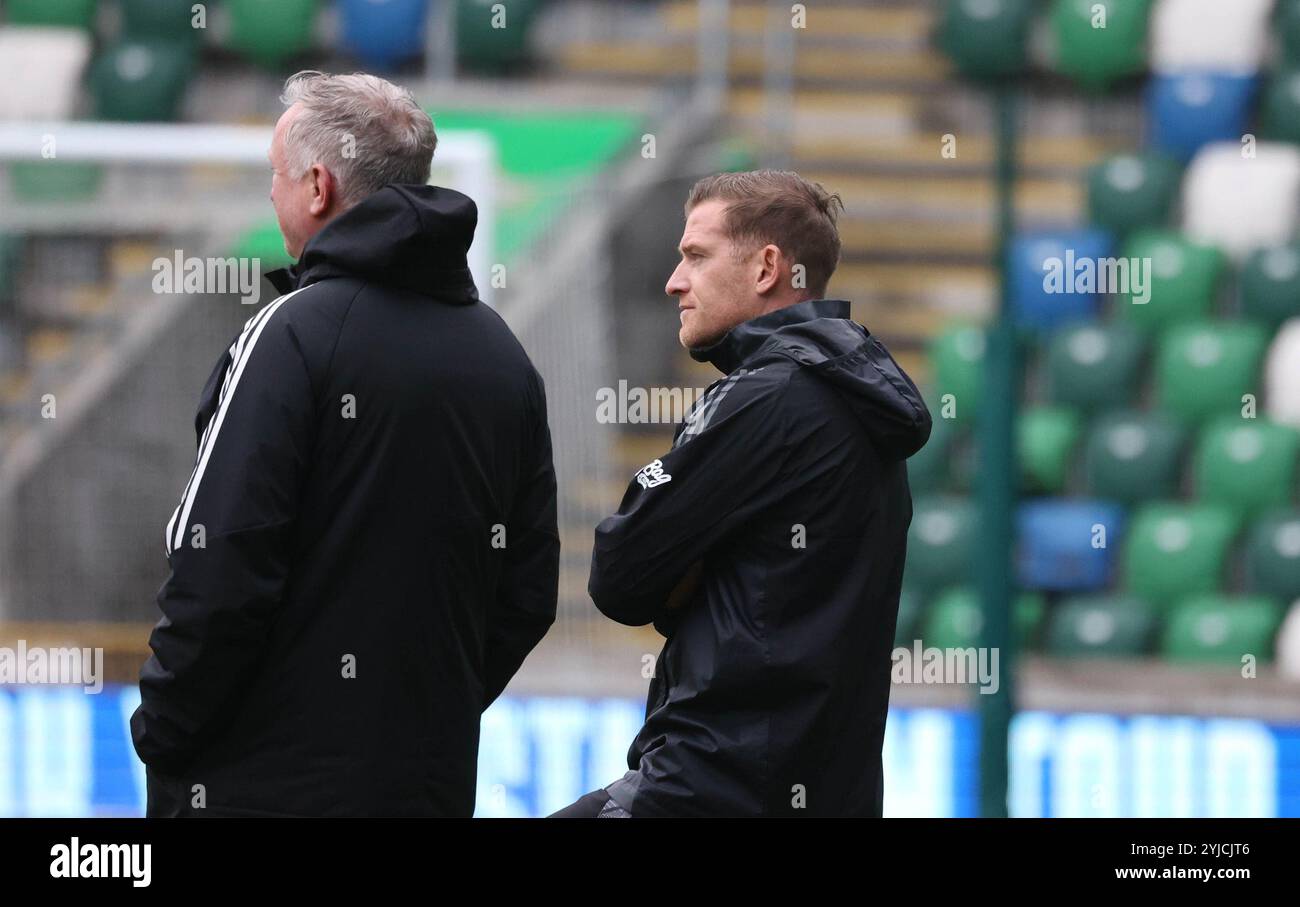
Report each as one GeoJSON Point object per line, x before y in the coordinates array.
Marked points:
{"type": "Point", "coordinates": [638, 61]}
{"type": "Point", "coordinates": [1040, 155]}
{"type": "Point", "coordinates": [901, 25]}
{"type": "Point", "coordinates": [952, 197]}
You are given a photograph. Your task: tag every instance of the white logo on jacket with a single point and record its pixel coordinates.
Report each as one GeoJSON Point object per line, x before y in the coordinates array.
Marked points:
{"type": "Point", "coordinates": [653, 474]}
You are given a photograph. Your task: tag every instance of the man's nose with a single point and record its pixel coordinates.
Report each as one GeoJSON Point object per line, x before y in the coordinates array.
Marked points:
{"type": "Point", "coordinates": [677, 284]}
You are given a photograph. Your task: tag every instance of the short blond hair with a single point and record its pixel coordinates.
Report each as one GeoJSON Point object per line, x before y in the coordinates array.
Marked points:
{"type": "Point", "coordinates": [779, 207]}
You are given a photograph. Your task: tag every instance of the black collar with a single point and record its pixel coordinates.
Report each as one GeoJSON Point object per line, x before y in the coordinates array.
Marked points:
{"type": "Point", "coordinates": [742, 341]}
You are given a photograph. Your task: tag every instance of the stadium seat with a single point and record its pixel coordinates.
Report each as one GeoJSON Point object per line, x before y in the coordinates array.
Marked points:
{"type": "Point", "coordinates": [1047, 439]}
{"type": "Point", "coordinates": [1247, 465]}
{"type": "Point", "coordinates": [40, 72]}
{"type": "Point", "coordinates": [1273, 555]}
{"type": "Point", "coordinates": [1096, 52]}
{"type": "Point", "coordinates": [1288, 28]}
{"type": "Point", "coordinates": [1210, 35]}
{"type": "Point", "coordinates": [1188, 111]}
{"type": "Point", "coordinates": [55, 181]}
{"type": "Point", "coordinates": [910, 608]}
{"type": "Point", "coordinates": [1067, 545]}
{"type": "Point", "coordinates": [1204, 369]}
{"type": "Point", "coordinates": [1282, 375]}
{"type": "Point", "coordinates": [1280, 108]}
{"type": "Point", "coordinates": [1222, 629]}
{"type": "Point", "coordinates": [940, 551]}
{"type": "Point", "coordinates": [1130, 191]}
{"type": "Point", "coordinates": [1287, 647]}
{"type": "Point", "coordinates": [928, 469]}
{"type": "Point", "coordinates": [1182, 278]}
{"type": "Point", "coordinates": [269, 33]}
{"type": "Point", "coordinates": [1094, 366]}
{"type": "Point", "coordinates": [1270, 285]}
{"type": "Point", "coordinates": [141, 81]}
{"type": "Point", "coordinates": [1133, 457]}
{"type": "Point", "coordinates": [955, 620]}
{"type": "Point", "coordinates": [1173, 550]}
{"type": "Point", "coordinates": [62, 13]}
{"type": "Point", "coordinates": [1240, 204]}
{"type": "Point", "coordinates": [1101, 626]}
{"type": "Point", "coordinates": [1055, 276]}
{"type": "Point", "coordinates": [166, 20]}
{"type": "Point", "coordinates": [957, 365]}
{"type": "Point", "coordinates": [383, 33]}
{"type": "Point", "coordinates": [483, 46]}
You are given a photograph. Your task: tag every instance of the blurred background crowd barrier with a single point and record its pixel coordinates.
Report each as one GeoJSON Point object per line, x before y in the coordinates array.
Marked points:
{"type": "Point", "coordinates": [1158, 672]}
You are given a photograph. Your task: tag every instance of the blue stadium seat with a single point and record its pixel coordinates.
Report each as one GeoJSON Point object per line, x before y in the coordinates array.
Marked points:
{"type": "Point", "coordinates": [1060, 548]}
{"type": "Point", "coordinates": [383, 33]}
{"type": "Point", "coordinates": [1042, 305]}
{"type": "Point", "coordinates": [1191, 109]}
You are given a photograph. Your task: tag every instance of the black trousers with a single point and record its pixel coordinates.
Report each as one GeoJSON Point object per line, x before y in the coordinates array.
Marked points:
{"type": "Point", "coordinates": [595, 805]}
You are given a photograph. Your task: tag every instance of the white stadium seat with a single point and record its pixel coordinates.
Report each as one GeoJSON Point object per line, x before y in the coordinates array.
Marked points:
{"type": "Point", "coordinates": [1287, 650]}
{"type": "Point", "coordinates": [1226, 36]}
{"type": "Point", "coordinates": [1239, 203]}
{"type": "Point", "coordinates": [40, 71]}
{"type": "Point", "coordinates": [1282, 375]}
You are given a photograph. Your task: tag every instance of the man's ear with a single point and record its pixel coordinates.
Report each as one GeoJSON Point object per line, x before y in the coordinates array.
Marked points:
{"type": "Point", "coordinates": [322, 196]}
{"type": "Point", "coordinates": [769, 269]}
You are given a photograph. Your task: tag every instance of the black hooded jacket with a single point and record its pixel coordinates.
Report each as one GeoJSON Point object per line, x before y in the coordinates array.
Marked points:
{"type": "Point", "coordinates": [367, 547]}
{"type": "Point", "coordinates": [788, 481]}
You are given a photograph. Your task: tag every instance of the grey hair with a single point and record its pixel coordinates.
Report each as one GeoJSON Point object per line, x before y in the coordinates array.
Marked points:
{"type": "Point", "coordinates": [367, 132]}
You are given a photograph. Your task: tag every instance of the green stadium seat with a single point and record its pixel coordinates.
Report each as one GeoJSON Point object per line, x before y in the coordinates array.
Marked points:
{"type": "Point", "coordinates": [1101, 627]}
{"type": "Point", "coordinates": [1222, 629]}
{"type": "Point", "coordinates": [929, 469]}
{"type": "Point", "coordinates": [54, 181]}
{"type": "Point", "coordinates": [1173, 551]}
{"type": "Point", "coordinates": [957, 368]}
{"type": "Point", "coordinates": [986, 38]}
{"type": "Point", "coordinates": [168, 20]}
{"type": "Point", "coordinates": [1184, 279]}
{"type": "Point", "coordinates": [1247, 465]}
{"type": "Point", "coordinates": [1128, 192]}
{"type": "Point", "coordinates": [65, 13]}
{"type": "Point", "coordinates": [940, 545]}
{"type": "Point", "coordinates": [1288, 28]}
{"type": "Point", "coordinates": [1270, 285]}
{"type": "Point", "coordinates": [1133, 457]}
{"type": "Point", "coordinates": [910, 607]}
{"type": "Point", "coordinates": [1280, 108]}
{"type": "Point", "coordinates": [955, 620]}
{"type": "Point", "coordinates": [269, 33]}
{"type": "Point", "coordinates": [482, 46]}
{"type": "Point", "coordinates": [1203, 369]}
{"type": "Point", "coordinates": [1094, 366]}
{"type": "Point", "coordinates": [1095, 56]}
{"type": "Point", "coordinates": [1273, 555]}
{"type": "Point", "coordinates": [141, 81]}
{"type": "Point", "coordinates": [1047, 438]}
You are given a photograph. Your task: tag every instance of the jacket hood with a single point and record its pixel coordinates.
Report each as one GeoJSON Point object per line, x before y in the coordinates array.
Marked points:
{"type": "Point", "coordinates": [408, 236]}
{"type": "Point", "coordinates": [820, 337]}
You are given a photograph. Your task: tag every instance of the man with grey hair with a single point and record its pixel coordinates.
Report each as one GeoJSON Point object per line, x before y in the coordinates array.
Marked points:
{"type": "Point", "coordinates": [366, 549]}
